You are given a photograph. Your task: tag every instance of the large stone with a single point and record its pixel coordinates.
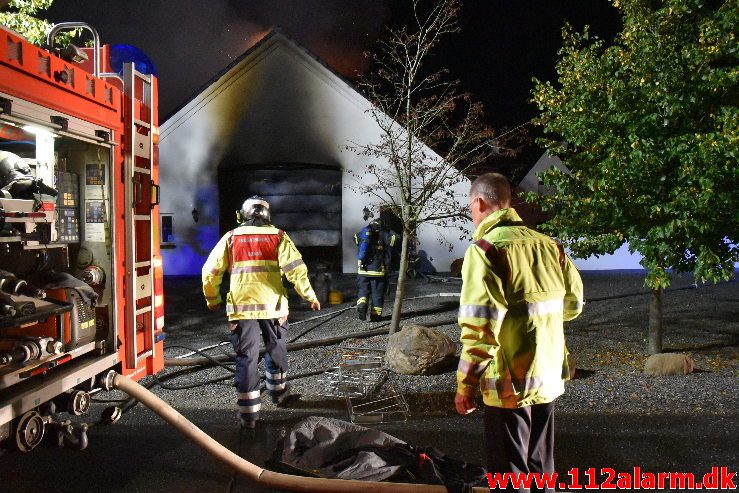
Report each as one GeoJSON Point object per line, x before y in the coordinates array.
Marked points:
{"type": "Point", "coordinates": [668, 364]}
{"type": "Point", "coordinates": [419, 350]}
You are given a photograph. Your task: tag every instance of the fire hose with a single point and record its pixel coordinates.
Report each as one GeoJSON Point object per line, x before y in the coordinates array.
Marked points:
{"type": "Point", "coordinates": [253, 472]}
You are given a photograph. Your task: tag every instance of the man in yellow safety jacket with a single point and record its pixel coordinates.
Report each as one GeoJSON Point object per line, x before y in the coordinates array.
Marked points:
{"type": "Point", "coordinates": [518, 289]}
{"type": "Point", "coordinates": [257, 254]}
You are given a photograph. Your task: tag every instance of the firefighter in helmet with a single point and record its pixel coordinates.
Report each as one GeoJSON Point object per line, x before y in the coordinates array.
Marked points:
{"type": "Point", "coordinates": [256, 254]}
{"type": "Point", "coordinates": [374, 248]}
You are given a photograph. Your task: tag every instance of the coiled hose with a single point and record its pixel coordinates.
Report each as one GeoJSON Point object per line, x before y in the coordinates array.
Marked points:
{"type": "Point", "coordinates": [255, 473]}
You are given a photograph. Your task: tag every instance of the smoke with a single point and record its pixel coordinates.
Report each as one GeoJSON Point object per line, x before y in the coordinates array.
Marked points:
{"type": "Point", "coordinates": [190, 41]}
{"type": "Point", "coordinates": [338, 31]}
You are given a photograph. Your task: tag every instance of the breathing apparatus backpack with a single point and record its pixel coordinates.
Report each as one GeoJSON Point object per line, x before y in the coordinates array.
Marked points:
{"type": "Point", "coordinates": [367, 238]}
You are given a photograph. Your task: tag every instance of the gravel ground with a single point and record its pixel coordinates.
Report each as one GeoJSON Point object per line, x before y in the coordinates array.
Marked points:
{"type": "Point", "coordinates": [608, 343]}
{"type": "Point", "coordinates": [611, 415]}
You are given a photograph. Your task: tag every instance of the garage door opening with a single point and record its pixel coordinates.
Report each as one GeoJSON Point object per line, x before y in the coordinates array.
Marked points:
{"type": "Point", "coordinates": [305, 201]}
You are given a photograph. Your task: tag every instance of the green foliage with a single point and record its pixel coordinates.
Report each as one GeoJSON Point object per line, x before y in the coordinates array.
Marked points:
{"type": "Point", "coordinates": [20, 16]}
{"type": "Point", "coordinates": [649, 128]}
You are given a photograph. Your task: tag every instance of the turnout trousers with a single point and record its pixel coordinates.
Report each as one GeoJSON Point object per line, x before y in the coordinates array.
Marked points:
{"type": "Point", "coordinates": [245, 337]}
{"type": "Point", "coordinates": [371, 288]}
{"type": "Point", "coordinates": [520, 440]}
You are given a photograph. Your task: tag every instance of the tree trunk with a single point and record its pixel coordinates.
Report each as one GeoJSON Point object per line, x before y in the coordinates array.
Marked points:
{"type": "Point", "coordinates": [400, 290]}
{"type": "Point", "coordinates": [655, 322]}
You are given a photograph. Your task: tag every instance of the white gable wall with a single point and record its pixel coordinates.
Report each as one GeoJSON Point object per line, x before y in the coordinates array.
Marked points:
{"type": "Point", "coordinates": [277, 105]}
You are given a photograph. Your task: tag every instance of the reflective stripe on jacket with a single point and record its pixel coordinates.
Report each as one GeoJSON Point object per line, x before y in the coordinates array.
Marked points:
{"type": "Point", "coordinates": [518, 288]}
{"type": "Point", "coordinates": [381, 253]}
{"type": "Point", "coordinates": [256, 258]}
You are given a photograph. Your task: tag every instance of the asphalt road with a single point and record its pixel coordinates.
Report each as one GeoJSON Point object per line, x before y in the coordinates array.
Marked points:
{"type": "Point", "coordinates": [143, 454]}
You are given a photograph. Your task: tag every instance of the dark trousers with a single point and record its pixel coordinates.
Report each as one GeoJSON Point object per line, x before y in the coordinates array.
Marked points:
{"type": "Point", "coordinates": [371, 288]}
{"type": "Point", "coordinates": [520, 440]}
{"type": "Point", "coordinates": [245, 337]}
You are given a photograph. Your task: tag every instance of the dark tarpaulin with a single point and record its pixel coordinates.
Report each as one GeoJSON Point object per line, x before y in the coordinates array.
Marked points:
{"type": "Point", "coordinates": [331, 448]}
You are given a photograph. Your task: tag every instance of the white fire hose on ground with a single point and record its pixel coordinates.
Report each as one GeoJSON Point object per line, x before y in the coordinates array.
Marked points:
{"type": "Point", "coordinates": [286, 482]}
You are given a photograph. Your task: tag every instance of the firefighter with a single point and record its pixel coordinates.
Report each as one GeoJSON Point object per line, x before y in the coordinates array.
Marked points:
{"type": "Point", "coordinates": [256, 254]}
{"type": "Point", "coordinates": [374, 248]}
{"type": "Point", "coordinates": [518, 289]}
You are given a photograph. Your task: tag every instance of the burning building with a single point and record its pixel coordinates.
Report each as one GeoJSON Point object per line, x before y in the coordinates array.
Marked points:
{"type": "Point", "coordinates": [274, 123]}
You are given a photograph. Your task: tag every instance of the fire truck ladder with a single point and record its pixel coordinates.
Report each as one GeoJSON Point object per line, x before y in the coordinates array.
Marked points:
{"type": "Point", "coordinates": [139, 153]}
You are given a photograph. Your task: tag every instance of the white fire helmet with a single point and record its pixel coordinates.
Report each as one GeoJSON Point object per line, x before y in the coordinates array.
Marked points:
{"type": "Point", "coordinates": [255, 208]}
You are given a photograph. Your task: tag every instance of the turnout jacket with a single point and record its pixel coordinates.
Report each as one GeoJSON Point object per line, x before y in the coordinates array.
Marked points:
{"type": "Point", "coordinates": [518, 288]}
{"type": "Point", "coordinates": [256, 258]}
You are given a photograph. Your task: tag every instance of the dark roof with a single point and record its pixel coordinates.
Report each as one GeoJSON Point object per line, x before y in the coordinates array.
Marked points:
{"type": "Point", "coordinates": [515, 168]}
{"type": "Point", "coordinates": [273, 32]}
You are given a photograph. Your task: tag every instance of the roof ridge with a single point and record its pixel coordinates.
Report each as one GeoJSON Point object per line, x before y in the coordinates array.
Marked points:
{"type": "Point", "coordinates": [274, 31]}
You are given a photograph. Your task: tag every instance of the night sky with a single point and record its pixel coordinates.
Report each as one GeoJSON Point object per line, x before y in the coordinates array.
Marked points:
{"type": "Point", "coordinates": [502, 44]}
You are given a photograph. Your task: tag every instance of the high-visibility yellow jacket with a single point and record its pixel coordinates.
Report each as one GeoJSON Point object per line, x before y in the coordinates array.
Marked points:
{"type": "Point", "coordinates": [256, 258]}
{"type": "Point", "coordinates": [518, 288]}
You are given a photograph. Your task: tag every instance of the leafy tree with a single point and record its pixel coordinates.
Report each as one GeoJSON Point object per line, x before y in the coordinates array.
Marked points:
{"type": "Point", "coordinates": [419, 109]}
{"type": "Point", "coordinates": [21, 16]}
{"type": "Point", "coordinates": [649, 128]}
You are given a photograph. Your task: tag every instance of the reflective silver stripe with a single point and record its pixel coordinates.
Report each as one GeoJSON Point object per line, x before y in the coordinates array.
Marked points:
{"type": "Point", "coordinates": [255, 268]}
{"type": "Point", "coordinates": [361, 300]}
{"type": "Point", "coordinates": [292, 265]}
{"type": "Point", "coordinates": [248, 308]}
{"type": "Point", "coordinates": [471, 368]}
{"type": "Point", "coordinates": [250, 409]}
{"type": "Point", "coordinates": [213, 298]}
{"type": "Point", "coordinates": [377, 310]}
{"type": "Point", "coordinates": [275, 376]}
{"type": "Point", "coordinates": [501, 386]}
{"type": "Point", "coordinates": [247, 395]}
{"type": "Point", "coordinates": [275, 387]}
{"type": "Point", "coordinates": [480, 311]}
{"type": "Point", "coordinates": [507, 385]}
{"type": "Point", "coordinates": [544, 307]}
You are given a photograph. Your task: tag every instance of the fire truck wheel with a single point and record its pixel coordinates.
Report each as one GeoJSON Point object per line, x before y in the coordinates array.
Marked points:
{"type": "Point", "coordinates": [29, 431]}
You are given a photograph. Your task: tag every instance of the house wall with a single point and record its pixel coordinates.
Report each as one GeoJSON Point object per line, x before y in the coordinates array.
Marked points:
{"type": "Point", "coordinates": [279, 105]}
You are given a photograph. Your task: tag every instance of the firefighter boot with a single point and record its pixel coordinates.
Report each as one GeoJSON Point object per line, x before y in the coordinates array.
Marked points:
{"type": "Point", "coordinates": [362, 310]}
{"type": "Point", "coordinates": [246, 424]}
{"type": "Point", "coordinates": [376, 314]}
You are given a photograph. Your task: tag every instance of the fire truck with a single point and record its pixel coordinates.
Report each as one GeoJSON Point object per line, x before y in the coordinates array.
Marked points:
{"type": "Point", "coordinates": [81, 287]}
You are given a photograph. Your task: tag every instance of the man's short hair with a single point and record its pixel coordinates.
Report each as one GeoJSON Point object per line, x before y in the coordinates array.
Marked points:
{"type": "Point", "coordinates": [493, 187]}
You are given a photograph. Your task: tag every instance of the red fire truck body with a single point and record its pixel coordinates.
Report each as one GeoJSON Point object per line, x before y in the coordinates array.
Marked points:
{"type": "Point", "coordinates": [81, 288]}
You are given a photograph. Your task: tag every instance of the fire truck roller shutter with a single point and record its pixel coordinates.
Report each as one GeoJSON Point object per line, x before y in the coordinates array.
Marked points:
{"type": "Point", "coordinates": [305, 201]}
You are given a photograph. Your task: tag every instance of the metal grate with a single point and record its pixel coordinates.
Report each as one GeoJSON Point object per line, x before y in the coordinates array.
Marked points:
{"type": "Point", "coordinates": [385, 405]}
{"type": "Point", "coordinates": [362, 379]}
{"type": "Point", "coordinates": [359, 370]}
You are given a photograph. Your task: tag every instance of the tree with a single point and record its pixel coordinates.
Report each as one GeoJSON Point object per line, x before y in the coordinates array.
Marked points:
{"type": "Point", "coordinates": [649, 129]}
{"type": "Point", "coordinates": [20, 16]}
{"type": "Point", "coordinates": [419, 109]}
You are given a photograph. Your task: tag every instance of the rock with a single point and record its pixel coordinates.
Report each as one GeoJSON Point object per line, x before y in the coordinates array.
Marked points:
{"type": "Point", "coordinates": [668, 364]}
{"type": "Point", "coordinates": [419, 350]}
